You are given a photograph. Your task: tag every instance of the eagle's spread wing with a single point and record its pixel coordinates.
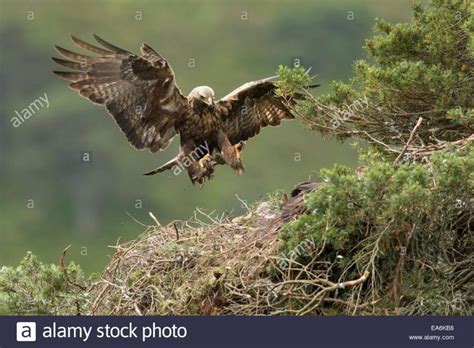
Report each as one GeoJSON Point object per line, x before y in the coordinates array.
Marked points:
{"type": "Point", "coordinates": [138, 91]}
{"type": "Point", "coordinates": [249, 108]}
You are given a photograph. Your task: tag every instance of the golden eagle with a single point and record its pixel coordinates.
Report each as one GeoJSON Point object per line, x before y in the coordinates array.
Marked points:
{"type": "Point", "coordinates": [141, 94]}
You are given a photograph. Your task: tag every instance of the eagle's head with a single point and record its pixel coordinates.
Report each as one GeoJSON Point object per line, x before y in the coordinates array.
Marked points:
{"type": "Point", "coordinates": [202, 94]}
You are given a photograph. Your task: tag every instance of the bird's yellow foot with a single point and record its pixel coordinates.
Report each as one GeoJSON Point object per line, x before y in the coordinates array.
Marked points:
{"type": "Point", "coordinates": [205, 170]}
{"type": "Point", "coordinates": [203, 162]}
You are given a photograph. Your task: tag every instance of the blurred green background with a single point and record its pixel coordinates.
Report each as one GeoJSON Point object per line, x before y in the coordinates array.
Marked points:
{"type": "Point", "coordinates": [50, 198]}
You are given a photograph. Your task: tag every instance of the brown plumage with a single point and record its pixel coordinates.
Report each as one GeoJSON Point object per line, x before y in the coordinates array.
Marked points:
{"type": "Point", "coordinates": [295, 205]}
{"type": "Point", "coordinates": [141, 94]}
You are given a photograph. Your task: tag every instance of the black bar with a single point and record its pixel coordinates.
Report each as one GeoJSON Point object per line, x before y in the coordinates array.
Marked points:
{"type": "Point", "coordinates": [242, 331]}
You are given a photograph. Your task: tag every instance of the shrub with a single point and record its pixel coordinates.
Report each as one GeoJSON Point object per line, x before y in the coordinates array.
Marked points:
{"type": "Point", "coordinates": [35, 288]}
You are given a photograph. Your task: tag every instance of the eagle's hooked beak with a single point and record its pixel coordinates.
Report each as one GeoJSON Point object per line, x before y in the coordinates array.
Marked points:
{"type": "Point", "coordinates": [209, 101]}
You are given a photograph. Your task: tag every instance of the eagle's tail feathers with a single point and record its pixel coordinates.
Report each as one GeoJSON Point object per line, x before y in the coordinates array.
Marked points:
{"type": "Point", "coordinates": [168, 165]}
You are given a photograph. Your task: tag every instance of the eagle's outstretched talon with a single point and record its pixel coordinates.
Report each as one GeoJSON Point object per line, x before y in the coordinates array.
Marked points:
{"type": "Point", "coordinates": [206, 169]}
{"type": "Point", "coordinates": [238, 148]}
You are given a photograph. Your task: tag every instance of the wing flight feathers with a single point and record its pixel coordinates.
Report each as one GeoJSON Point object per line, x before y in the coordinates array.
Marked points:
{"type": "Point", "coordinates": [139, 92]}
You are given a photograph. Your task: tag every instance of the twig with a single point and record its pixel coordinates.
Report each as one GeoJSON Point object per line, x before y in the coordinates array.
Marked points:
{"type": "Point", "coordinates": [242, 202]}
{"type": "Point", "coordinates": [176, 230]}
{"type": "Point", "coordinates": [136, 220]}
{"type": "Point", "coordinates": [135, 306]}
{"type": "Point", "coordinates": [320, 297]}
{"type": "Point", "coordinates": [62, 264]}
{"type": "Point", "coordinates": [412, 133]}
{"type": "Point", "coordinates": [400, 265]}
{"type": "Point", "coordinates": [154, 219]}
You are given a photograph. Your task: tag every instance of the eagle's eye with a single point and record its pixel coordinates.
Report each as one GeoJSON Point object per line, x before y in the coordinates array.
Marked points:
{"type": "Point", "coordinates": [208, 100]}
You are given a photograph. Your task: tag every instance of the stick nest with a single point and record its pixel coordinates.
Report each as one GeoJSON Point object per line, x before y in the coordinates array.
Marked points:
{"type": "Point", "coordinates": [208, 265]}
{"type": "Point", "coordinates": [217, 266]}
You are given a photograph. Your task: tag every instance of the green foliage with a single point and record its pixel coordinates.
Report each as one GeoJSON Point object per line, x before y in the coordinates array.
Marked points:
{"type": "Point", "coordinates": [439, 35]}
{"type": "Point", "coordinates": [425, 209]}
{"type": "Point", "coordinates": [35, 288]}
{"type": "Point", "coordinates": [420, 69]}
{"type": "Point", "coordinates": [291, 79]}
{"type": "Point", "coordinates": [293, 82]}
{"type": "Point", "coordinates": [347, 205]}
